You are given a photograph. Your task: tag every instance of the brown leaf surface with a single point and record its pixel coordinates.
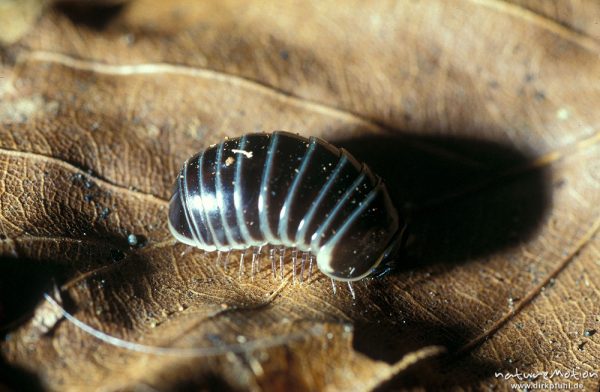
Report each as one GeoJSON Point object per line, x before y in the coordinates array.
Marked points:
{"type": "Point", "coordinates": [481, 115]}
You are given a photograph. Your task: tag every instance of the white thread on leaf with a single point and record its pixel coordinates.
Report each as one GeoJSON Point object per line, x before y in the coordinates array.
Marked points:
{"type": "Point", "coordinates": [248, 346]}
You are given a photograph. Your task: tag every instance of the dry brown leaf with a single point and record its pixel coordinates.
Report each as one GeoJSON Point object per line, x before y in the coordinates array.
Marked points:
{"type": "Point", "coordinates": [17, 17]}
{"type": "Point", "coordinates": [481, 116]}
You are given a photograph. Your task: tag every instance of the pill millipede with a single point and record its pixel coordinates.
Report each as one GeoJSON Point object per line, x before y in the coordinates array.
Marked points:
{"type": "Point", "coordinates": [288, 193]}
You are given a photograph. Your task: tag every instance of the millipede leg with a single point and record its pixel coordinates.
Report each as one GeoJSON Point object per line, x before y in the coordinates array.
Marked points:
{"type": "Point", "coordinates": [218, 257]}
{"type": "Point", "coordinates": [333, 286]}
{"type": "Point", "coordinates": [310, 266]}
{"type": "Point", "coordinates": [351, 290]}
{"type": "Point", "coordinates": [294, 258]}
{"type": "Point", "coordinates": [258, 257]}
{"type": "Point", "coordinates": [254, 255]}
{"type": "Point", "coordinates": [226, 260]}
{"type": "Point", "coordinates": [281, 257]}
{"type": "Point", "coordinates": [187, 250]}
{"type": "Point", "coordinates": [272, 258]}
{"type": "Point", "coordinates": [241, 270]}
{"type": "Point", "coordinates": [302, 263]}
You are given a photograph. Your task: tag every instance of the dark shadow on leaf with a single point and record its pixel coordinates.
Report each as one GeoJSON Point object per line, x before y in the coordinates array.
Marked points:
{"type": "Point", "coordinates": [14, 378]}
{"type": "Point", "coordinates": [390, 339]}
{"type": "Point", "coordinates": [387, 328]}
{"type": "Point", "coordinates": [459, 195]}
{"type": "Point", "coordinates": [24, 280]}
{"type": "Point", "coordinates": [443, 373]}
{"type": "Point", "coordinates": [130, 278]}
{"type": "Point", "coordinates": [22, 285]}
{"type": "Point", "coordinates": [187, 379]}
{"type": "Point", "coordinates": [94, 15]}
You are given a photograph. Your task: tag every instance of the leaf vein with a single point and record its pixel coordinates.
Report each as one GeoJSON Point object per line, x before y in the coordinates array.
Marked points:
{"type": "Point", "coordinates": [91, 65]}
{"type": "Point", "coordinates": [546, 23]}
{"type": "Point", "coordinates": [74, 168]}
{"type": "Point", "coordinates": [529, 297]}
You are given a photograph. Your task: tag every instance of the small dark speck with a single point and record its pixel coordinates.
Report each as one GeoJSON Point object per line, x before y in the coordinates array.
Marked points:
{"type": "Point", "coordinates": [2, 237]}
{"type": "Point", "coordinates": [284, 54]}
{"type": "Point", "coordinates": [529, 77]}
{"type": "Point", "coordinates": [493, 84]}
{"type": "Point", "coordinates": [132, 239]}
{"type": "Point", "coordinates": [214, 338]}
{"type": "Point", "coordinates": [560, 183]}
{"type": "Point", "coordinates": [105, 213]}
{"type": "Point", "coordinates": [589, 332]}
{"type": "Point", "coordinates": [88, 198]}
{"type": "Point", "coordinates": [581, 346]}
{"type": "Point", "coordinates": [117, 255]}
{"type": "Point", "coordinates": [540, 95]}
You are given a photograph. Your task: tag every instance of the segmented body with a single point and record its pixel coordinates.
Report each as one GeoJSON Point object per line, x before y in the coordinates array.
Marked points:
{"type": "Point", "coordinates": [283, 189]}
